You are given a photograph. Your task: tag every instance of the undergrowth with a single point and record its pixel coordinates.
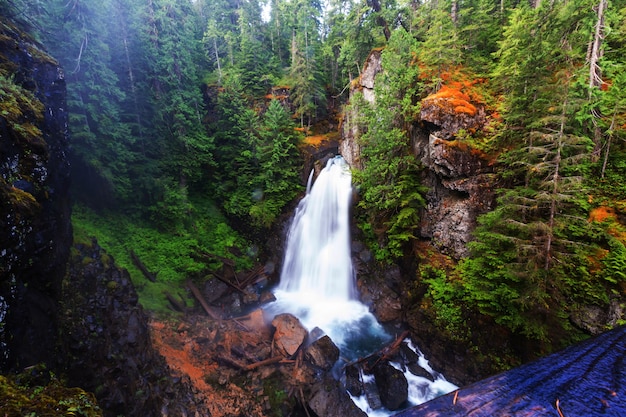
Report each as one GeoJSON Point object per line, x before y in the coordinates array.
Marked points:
{"type": "Point", "coordinates": [191, 252]}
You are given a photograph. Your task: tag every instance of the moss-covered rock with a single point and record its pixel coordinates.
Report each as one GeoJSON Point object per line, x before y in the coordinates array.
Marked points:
{"type": "Point", "coordinates": [34, 198]}
{"type": "Point", "coordinates": [37, 392]}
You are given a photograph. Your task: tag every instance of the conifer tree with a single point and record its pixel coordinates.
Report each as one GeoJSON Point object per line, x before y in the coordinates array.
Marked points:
{"type": "Point", "coordinates": [389, 182]}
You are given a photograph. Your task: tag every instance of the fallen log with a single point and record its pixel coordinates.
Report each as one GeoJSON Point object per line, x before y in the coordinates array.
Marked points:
{"type": "Point", "coordinates": [196, 293]}
{"type": "Point", "coordinates": [275, 359]}
{"type": "Point", "coordinates": [227, 282]}
{"type": "Point", "coordinates": [225, 261]}
{"type": "Point", "coordinates": [140, 265]}
{"type": "Point", "coordinates": [176, 304]}
{"type": "Point", "coordinates": [382, 353]}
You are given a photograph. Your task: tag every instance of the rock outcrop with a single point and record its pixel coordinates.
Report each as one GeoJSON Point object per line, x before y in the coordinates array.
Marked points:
{"type": "Point", "coordinates": [83, 322]}
{"type": "Point", "coordinates": [34, 198]}
{"type": "Point", "coordinates": [106, 347]}
{"type": "Point", "coordinates": [457, 175]}
{"type": "Point", "coordinates": [460, 187]}
{"type": "Point", "coordinates": [349, 147]}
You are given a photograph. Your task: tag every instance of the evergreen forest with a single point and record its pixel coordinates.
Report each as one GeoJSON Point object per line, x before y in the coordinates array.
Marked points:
{"type": "Point", "coordinates": [188, 120]}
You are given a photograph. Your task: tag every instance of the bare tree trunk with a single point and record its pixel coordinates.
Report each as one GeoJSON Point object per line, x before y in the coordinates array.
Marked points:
{"type": "Point", "coordinates": [555, 188]}
{"type": "Point", "coordinates": [454, 9]}
{"type": "Point", "coordinates": [595, 75]}
{"type": "Point", "coordinates": [217, 59]}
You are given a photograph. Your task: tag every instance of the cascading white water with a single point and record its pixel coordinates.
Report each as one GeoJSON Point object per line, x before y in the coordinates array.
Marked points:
{"type": "Point", "coordinates": [317, 279]}
{"type": "Point", "coordinates": [317, 282]}
{"type": "Point", "coordinates": [317, 260]}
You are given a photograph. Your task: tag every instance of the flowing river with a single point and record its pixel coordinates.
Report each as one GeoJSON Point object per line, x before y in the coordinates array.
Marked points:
{"type": "Point", "coordinates": [318, 283]}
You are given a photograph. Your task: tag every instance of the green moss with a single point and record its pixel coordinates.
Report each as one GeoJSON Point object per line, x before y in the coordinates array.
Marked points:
{"type": "Point", "coordinates": [23, 111]}
{"type": "Point", "coordinates": [38, 393]}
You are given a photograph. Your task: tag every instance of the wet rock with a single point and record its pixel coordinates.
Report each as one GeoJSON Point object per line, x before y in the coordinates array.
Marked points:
{"type": "Point", "coordinates": [410, 359]}
{"type": "Point", "coordinates": [329, 399]}
{"type": "Point", "coordinates": [392, 386]}
{"type": "Point", "coordinates": [35, 228]}
{"type": "Point", "coordinates": [322, 353]}
{"type": "Point", "coordinates": [372, 395]}
{"type": "Point", "coordinates": [353, 380]}
{"type": "Point", "coordinates": [384, 302]}
{"type": "Point", "coordinates": [289, 334]}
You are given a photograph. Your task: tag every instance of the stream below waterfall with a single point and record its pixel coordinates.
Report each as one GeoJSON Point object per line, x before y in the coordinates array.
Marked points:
{"type": "Point", "coordinates": [318, 285]}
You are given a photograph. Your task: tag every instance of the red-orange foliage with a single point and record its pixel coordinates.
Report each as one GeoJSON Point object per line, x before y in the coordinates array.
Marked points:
{"type": "Point", "coordinates": [602, 213]}
{"type": "Point", "coordinates": [452, 98]}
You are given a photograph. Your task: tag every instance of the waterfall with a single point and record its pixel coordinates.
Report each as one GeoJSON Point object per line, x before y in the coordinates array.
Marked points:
{"type": "Point", "coordinates": [317, 260]}
{"type": "Point", "coordinates": [317, 282]}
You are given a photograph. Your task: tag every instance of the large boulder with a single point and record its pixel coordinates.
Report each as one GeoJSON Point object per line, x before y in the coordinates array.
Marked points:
{"type": "Point", "coordinates": [289, 334]}
{"type": "Point", "coordinates": [106, 344]}
{"type": "Point", "coordinates": [392, 386]}
{"type": "Point", "coordinates": [322, 353]}
{"type": "Point", "coordinates": [329, 399]}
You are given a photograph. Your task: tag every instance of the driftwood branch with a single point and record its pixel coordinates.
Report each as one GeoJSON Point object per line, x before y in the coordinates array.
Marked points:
{"type": "Point", "coordinates": [196, 293]}
{"type": "Point", "coordinates": [140, 265]}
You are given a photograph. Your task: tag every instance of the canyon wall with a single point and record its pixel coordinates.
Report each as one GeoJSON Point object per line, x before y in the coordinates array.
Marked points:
{"type": "Point", "coordinates": [34, 197]}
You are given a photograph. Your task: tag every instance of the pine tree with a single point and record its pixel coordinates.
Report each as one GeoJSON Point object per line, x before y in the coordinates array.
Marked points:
{"type": "Point", "coordinates": [389, 182]}
{"type": "Point", "coordinates": [280, 164]}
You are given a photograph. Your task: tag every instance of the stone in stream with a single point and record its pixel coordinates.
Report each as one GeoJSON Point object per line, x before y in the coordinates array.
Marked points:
{"type": "Point", "coordinates": [329, 399]}
{"type": "Point", "coordinates": [392, 385]}
{"type": "Point", "coordinates": [289, 334]}
{"type": "Point", "coordinates": [353, 380]}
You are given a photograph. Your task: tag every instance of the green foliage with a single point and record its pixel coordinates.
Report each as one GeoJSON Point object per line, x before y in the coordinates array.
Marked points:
{"type": "Point", "coordinates": [173, 256]}
{"type": "Point", "coordinates": [279, 160]}
{"type": "Point", "coordinates": [389, 183]}
{"type": "Point", "coordinates": [441, 47]}
{"type": "Point", "coordinates": [447, 298]}
{"type": "Point", "coordinates": [38, 392]}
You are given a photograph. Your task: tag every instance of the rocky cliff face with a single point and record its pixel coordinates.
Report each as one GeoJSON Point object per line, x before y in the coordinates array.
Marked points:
{"type": "Point", "coordinates": [105, 345]}
{"type": "Point", "coordinates": [34, 198]}
{"type": "Point", "coordinates": [82, 321]}
{"type": "Point", "coordinates": [458, 177]}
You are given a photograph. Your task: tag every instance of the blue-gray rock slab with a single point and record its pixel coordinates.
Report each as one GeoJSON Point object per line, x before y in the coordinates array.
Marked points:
{"type": "Point", "coordinates": [587, 379]}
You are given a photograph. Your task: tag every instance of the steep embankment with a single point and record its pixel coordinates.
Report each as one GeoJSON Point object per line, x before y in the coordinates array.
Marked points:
{"type": "Point", "coordinates": [34, 198]}
{"type": "Point", "coordinates": [83, 322]}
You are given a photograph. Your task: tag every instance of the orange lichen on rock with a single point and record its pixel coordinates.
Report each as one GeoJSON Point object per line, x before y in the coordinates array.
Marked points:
{"type": "Point", "coordinates": [319, 140]}
{"type": "Point", "coordinates": [451, 98]}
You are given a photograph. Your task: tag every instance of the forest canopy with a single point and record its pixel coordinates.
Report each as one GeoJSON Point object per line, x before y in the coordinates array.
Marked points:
{"type": "Point", "coordinates": [176, 117]}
